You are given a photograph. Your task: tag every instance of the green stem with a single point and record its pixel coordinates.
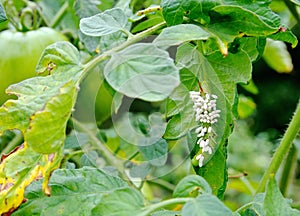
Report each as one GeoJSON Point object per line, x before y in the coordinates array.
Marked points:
{"type": "Point", "coordinates": [106, 153]}
{"type": "Point", "coordinates": [287, 172]}
{"type": "Point", "coordinates": [162, 204]}
{"type": "Point", "coordinates": [135, 38]}
{"type": "Point", "coordinates": [59, 15]}
{"type": "Point", "coordinates": [162, 183]}
{"type": "Point", "coordinates": [282, 150]}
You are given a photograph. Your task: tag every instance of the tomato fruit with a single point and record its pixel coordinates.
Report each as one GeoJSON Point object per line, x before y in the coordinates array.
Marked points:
{"type": "Point", "coordinates": [20, 53]}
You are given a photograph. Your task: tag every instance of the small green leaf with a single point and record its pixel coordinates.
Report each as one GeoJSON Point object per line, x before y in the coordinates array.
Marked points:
{"type": "Point", "coordinates": [275, 203]}
{"type": "Point", "coordinates": [285, 35]}
{"type": "Point", "coordinates": [2, 14]}
{"type": "Point", "coordinates": [125, 201]}
{"type": "Point", "coordinates": [191, 185]}
{"type": "Point", "coordinates": [85, 187]}
{"type": "Point", "coordinates": [205, 205]}
{"type": "Point", "coordinates": [155, 153]}
{"type": "Point", "coordinates": [142, 71]}
{"type": "Point", "coordinates": [277, 56]}
{"type": "Point", "coordinates": [108, 22]}
{"type": "Point", "coordinates": [178, 34]}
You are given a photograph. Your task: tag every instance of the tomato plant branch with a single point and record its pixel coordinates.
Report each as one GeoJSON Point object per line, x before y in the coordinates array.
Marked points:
{"type": "Point", "coordinates": [282, 150]}
{"type": "Point", "coordinates": [288, 170]}
{"type": "Point", "coordinates": [131, 40]}
{"type": "Point", "coordinates": [162, 183]}
{"type": "Point", "coordinates": [58, 16]}
{"type": "Point", "coordinates": [162, 204]}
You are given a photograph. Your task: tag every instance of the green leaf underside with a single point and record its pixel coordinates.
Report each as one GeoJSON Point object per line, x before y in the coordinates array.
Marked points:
{"type": "Point", "coordinates": [73, 191]}
{"type": "Point", "coordinates": [178, 34]}
{"type": "Point", "coordinates": [142, 71]}
{"type": "Point", "coordinates": [2, 14]}
{"type": "Point", "coordinates": [45, 103]}
{"type": "Point", "coordinates": [105, 23]}
{"type": "Point", "coordinates": [191, 185]}
{"type": "Point", "coordinates": [205, 205]}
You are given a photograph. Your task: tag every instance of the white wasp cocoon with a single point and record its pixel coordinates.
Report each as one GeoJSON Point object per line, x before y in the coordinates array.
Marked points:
{"type": "Point", "coordinates": [207, 114]}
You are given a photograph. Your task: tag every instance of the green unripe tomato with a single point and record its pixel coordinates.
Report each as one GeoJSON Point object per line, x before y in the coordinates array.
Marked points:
{"type": "Point", "coordinates": [20, 53]}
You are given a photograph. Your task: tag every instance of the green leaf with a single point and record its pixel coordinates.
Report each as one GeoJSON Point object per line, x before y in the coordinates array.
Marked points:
{"type": "Point", "coordinates": [178, 34]}
{"type": "Point", "coordinates": [285, 35]}
{"type": "Point", "coordinates": [142, 71]}
{"type": "Point", "coordinates": [275, 203]}
{"type": "Point", "coordinates": [205, 205]}
{"type": "Point", "coordinates": [155, 153]}
{"type": "Point", "coordinates": [251, 18]}
{"type": "Point", "coordinates": [191, 185]}
{"type": "Point", "coordinates": [45, 104]}
{"type": "Point", "coordinates": [19, 169]}
{"type": "Point", "coordinates": [181, 123]}
{"type": "Point", "coordinates": [108, 22]}
{"type": "Point", "coordinates": [277, 56]}
{"type": "Point", "coordinates": [86, 8]}
{"type": "Point", "coordinates": [86, 187]}
{"type": "Point", "coordinates": [125, 201]}
{"type": "Point", "coordinates": [175, 11]}
{"type": "Point", "coordinates": [2, 14]}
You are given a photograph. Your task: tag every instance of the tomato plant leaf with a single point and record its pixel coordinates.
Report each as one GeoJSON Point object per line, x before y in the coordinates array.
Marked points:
{"type": "Point", "coordinates": [69, 190]}
{"type": "Point", "coordinates": [286, 35]}
{"type": "Point", "coordinates": [275, 203]}
{"type": "Point", "coordinates": [175, 11]}
{"type": "Point", "coordinates": [205, 205]}
{"type": "Point", "coordinates": [108, 22]}
{"type": "Point", "coordinates": [142, 71]}
{"type": "Point", "coordinates": [41, 112]}
{"type": "Point", "coordinates": [2, 14]}
{"type": "Point", "coordinates": [178, 34]}
{"type": "Point", "coordinates": [122, 201]}
{"type": "Point", "coordinates": [251, 19]}
{"type": "Point", "coordinates": [191, 185]}
{"type": "Point", "coordinates": [19, 169]}
{"type": "Point", "coordinates": [45, 103]}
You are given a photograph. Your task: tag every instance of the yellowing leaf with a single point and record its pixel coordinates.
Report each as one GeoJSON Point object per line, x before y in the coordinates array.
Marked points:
{"type": "Point", "coordinates": [19, 169]}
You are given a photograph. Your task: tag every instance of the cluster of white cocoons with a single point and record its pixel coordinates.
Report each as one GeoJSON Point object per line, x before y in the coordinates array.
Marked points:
{"type": "Point", "coordinates": [207, 114]}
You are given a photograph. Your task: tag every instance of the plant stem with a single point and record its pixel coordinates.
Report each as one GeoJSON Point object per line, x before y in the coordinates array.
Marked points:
{"type": "Point", "coordinates": [162, 204]}
{"type": "Point", "coordinates": [106, 154]}
{"type": "Point", "coordinates": [282, 150]}
{"type": "Point", "coordinates": [59, 15]}
{"type": "Point", "coordinates": [287, 172]}
{"type": "Point", "coordinates": [162, 183]}
{"type": "Point", "coordinates": [135, 38]}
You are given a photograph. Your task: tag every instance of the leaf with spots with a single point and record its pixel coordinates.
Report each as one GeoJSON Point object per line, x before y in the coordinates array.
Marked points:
{"type": "Point", "coordinates": [41, 112]}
